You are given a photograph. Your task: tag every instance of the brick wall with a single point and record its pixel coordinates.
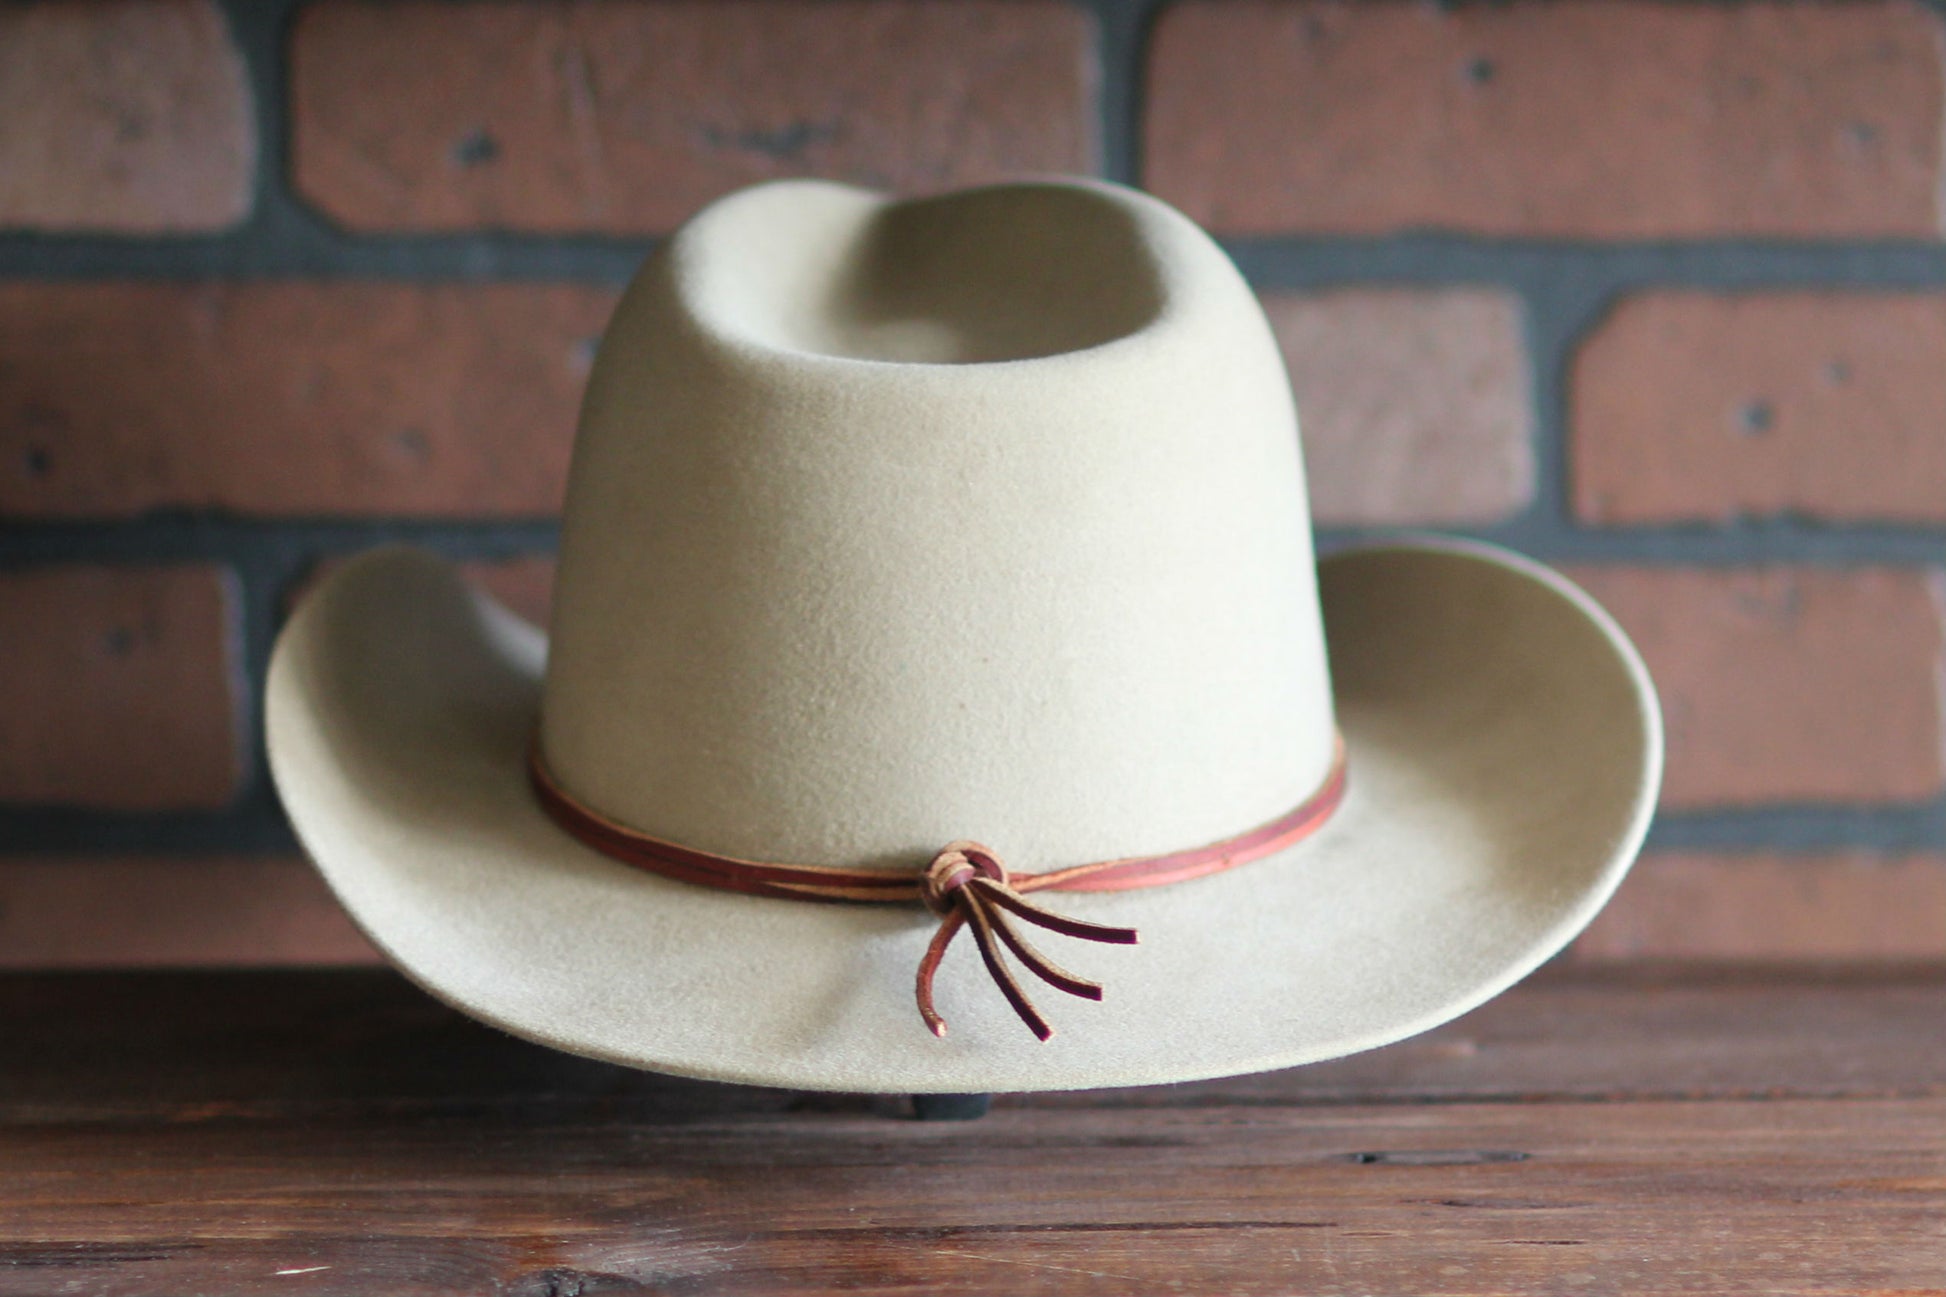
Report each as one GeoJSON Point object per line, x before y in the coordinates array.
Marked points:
{"type": "Point", "coordinates": [1653, 291]}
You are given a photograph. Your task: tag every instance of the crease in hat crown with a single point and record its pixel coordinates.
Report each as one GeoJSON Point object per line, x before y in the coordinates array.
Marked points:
{"type": "Point", "coordinates": [898, 522]}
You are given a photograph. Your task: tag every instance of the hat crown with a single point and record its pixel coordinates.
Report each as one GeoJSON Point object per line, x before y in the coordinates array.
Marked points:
{"type": "Point", "coordinates": [895, 523]}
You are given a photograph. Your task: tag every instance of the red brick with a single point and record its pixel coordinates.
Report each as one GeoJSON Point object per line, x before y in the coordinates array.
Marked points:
{"type": "Point", "coordinates": [1856, 907]}
{"type": "Point", "coordinates": [291, 398]}
{"type": "Point", "coordinates": [119, 687]}
{"type": "Point", "coordinates": [1414, 403]}
{"type": "Point", "coordinates": [1789, 684]}
{"type": "Point", "coordinates": [120, 912]}
{"type": "Point", "coordinates": [1692, 407]}
{"type": "Point", "coordinates": [1632, 119]}
{"type": "Point", "coordinates": [123, 117]}
{"type": "Point", "coordinates": [623, 118]}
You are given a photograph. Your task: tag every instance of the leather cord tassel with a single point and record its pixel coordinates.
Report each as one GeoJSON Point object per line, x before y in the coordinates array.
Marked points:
{"type": "Point", "coordinates": [965, 885]}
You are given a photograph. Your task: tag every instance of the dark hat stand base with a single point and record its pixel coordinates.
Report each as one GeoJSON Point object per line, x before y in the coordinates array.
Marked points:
{"type": "Point", "coordinates": [950, 1107]}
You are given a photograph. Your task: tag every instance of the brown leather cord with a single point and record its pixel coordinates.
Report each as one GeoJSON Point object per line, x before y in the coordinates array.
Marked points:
{"type": "Point", "coordinates": [965, 884]}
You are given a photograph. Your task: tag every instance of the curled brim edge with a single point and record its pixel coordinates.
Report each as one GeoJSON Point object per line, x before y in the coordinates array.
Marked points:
{"type": "Point", "coordinates": [1506, 753]}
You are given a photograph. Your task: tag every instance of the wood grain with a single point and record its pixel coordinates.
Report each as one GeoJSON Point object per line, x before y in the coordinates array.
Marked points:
{"type": "Point", "coordinates": [1593, 1131]}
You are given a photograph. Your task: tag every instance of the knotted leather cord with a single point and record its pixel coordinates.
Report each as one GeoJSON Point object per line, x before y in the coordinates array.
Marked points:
{"type": "Point", "coordinates": [965, 884]}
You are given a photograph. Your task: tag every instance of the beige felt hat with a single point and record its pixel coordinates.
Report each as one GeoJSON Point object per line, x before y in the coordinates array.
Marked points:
{"type": "Point", "coordinates": [893, 524]}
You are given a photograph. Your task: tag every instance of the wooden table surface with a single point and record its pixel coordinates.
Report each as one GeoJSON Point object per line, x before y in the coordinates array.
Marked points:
{"type": "Point", "coordinates": [1646, 1131]}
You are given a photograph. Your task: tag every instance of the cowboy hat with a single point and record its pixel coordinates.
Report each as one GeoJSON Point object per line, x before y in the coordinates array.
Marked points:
{"type": "Point", "coordinates": [956, 550]}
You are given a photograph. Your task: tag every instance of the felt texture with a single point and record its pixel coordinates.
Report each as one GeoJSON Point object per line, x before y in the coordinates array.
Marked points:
{"type": "Point", "coordinates": [1505, 752]}
{"type": "Point", "coordinates": [978, 516]}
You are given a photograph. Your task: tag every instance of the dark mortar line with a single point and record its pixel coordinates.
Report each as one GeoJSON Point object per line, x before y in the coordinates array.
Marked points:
{"type": "Point", "coordinates": [1557, 311]}
{"type": "Point", "coordinates": [260, 29]}
{"type": "Point", "coordinates": [270, 575]}
{"type": "Point", "coordinates": [181, 538]}
{"type": "Point", "coordinates": [1122, 34]}
{"type": "Point", "coordinates": [283, 241]}
{"type": "Point", "coordinates": [1298, 262]}
{"type": "Point", "coordinates": [1803, 830]}
{"type": "Point", "coordinates": [298, 254]}
{"type": "Point", "coordinates": [1744, 545]}
{"type": "Point", "coordinates": [253, 825]}
{"type": "Point", "coordinates": [189, 538]}
{"type": "Point", "coordinates": [1544, 349]}
{"type": "Point", "coordinates": [243, 638]}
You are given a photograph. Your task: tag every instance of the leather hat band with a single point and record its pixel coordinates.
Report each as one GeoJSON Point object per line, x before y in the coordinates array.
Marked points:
{"type": "Point", "coordinates": [965, 884]}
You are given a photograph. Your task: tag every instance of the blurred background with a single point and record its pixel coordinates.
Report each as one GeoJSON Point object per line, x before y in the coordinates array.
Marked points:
{"type": "Point", "coordinates": [1653, 291]}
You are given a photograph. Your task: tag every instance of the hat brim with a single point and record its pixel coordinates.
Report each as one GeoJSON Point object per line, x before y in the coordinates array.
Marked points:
{"type": "Point", "coordinates": [1505, 754]}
